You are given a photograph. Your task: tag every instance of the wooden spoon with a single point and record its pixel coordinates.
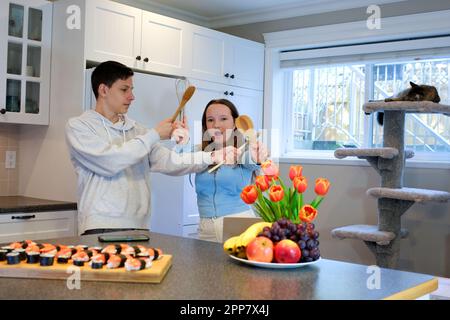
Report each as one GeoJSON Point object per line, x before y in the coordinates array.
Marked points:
{"type": "Point", "coordinates": [244, 124]}
{"type": "Point", "coordinates": [186, 96]}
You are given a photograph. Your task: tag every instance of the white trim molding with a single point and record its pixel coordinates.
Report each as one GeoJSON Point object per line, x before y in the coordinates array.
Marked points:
{"type": "Point", "coordinates": [392, 28]}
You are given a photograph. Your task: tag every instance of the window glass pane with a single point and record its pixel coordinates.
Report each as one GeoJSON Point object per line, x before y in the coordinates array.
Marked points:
{"type": "Point", "coordinates": [32, 97]}
{"type": "Point", "coordinates": [33, 61]}
{"type": "Point", "coordinates": [424, 132]}
{"type": "Point", "coordinates": [13, 89]}
{"type": "Point", "coordinates": [14, 62]}
{"type": "Point", "coordinates": [35, 24]}
{"type": "Point", "coordinates": [15, 24]}
{"type": "Point", "coordinates": [327, 107]}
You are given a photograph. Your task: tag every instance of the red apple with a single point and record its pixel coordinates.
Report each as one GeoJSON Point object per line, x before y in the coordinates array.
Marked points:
{"type": "Point", "coordinates": [260, 249]}
{"type": "Point", "coordinates": [287, 251]}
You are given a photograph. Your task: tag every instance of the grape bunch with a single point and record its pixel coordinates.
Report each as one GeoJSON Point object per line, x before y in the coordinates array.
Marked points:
{"type": "Point", "coordinates": [302, 233]}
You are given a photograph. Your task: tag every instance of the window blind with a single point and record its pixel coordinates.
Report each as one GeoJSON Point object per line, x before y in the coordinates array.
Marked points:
{"type": "Point", "coordinates": [415, 49]}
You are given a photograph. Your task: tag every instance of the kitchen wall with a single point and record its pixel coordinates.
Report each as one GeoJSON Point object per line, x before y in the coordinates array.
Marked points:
{"type": "Point", "coordinates": [254, 31]}
{"type": "Point", "coordinates": [9, 141]}
{"type": "Point", "coordinates": [425, 250]}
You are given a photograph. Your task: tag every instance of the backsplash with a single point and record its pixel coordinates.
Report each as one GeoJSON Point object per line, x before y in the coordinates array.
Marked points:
{"type": "Point", "coordinates": [9, 141]}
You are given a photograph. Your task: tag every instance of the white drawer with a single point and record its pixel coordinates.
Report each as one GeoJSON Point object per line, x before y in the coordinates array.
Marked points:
{"type": "Point", "coordinates": [190, 231]}
{"type": "Point", "coordinates": [37, 225]}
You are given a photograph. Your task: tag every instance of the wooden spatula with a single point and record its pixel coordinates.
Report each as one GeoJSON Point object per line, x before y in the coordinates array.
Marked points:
{"type": "Point", "coordinates": [186, 96]}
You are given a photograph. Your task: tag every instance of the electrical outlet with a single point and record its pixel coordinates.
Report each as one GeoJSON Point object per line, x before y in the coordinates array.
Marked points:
{"type": "Point", "coordinates": [10, 160]}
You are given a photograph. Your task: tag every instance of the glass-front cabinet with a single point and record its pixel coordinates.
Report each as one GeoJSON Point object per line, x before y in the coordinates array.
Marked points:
{"type": "Point", "coordinates": [25, 38]}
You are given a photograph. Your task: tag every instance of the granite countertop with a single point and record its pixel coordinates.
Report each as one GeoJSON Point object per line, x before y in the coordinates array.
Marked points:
{"type": "Point", "coordinates": [10, 204]}
{"type": "Point", "coordinates": [202, 271]}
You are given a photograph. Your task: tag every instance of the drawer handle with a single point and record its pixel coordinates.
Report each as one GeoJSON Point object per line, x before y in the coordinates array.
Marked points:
{"type": "Point", "coordinates": [23, 217]}
{"type": "Point", "coordinates": [3, 111]}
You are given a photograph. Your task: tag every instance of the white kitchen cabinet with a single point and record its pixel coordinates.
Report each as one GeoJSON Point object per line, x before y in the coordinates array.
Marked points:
{"type": "Point", "coordinates": [113, 32]}
{"type": "Point", "coordinates": [37, 225]}
{"type": "Point", "coordinates": [25, 37]}
{"type": "Point", "coordinates": [226, 59]}
{"type": "Point", "coordinates": [136, 38]}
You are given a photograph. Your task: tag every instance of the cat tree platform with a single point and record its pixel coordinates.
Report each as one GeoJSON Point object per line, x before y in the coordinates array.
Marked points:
{"type": "Point", "coordinates": [407, 106]}
{"type": "Point", "coordinates": [410, 194]}
{"type": "Point", "coordinates": [385, 153]}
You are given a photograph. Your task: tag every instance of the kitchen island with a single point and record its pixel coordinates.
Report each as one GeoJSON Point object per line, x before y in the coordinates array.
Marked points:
{"type": "Point", "coordinates": [202, 271]}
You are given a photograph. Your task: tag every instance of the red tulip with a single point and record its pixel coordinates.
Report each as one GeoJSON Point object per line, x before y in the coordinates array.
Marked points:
{"type": "Point", "coordinates": [300, 184]}
{"type": "Point", "coordinates": [270, 169]}
{"type": "Point", "coordinates": [262, 182]}
{"type": "Point", "coordinates": [295, 171]}
{"type": "Point", "coordinates": [307, 213]}
{"type": "Point", "coordinates": [249, 194]}
{"type": "Point", "coordinates": [276, 193]}
{"type": "Point", "coordinates": [322, 186]}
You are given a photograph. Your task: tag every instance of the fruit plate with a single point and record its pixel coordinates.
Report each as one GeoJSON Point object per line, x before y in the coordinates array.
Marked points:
{"type": "Point", "coordinates": [274, 265]}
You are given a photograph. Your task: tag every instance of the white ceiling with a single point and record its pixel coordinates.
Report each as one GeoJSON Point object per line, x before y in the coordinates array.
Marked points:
{"type": "Point", "coordinates": [222, 13]}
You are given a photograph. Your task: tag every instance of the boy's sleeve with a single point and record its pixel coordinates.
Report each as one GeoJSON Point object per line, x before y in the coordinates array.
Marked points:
{"type": "Point", "coordinates": [102, 157]}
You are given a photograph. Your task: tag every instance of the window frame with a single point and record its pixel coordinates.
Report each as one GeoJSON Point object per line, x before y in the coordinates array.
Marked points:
{"type": "Point", "coordinates": [354, 33]}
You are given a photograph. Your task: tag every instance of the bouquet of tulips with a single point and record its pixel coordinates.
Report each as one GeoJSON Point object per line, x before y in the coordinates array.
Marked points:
{"type": "Point", "coordinates": [273, 200]}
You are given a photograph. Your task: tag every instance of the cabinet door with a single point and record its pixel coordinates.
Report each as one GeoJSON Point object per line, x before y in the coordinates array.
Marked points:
{"type": "Point", "coordinates": [163, 44]}
{"type": "Point", "coordinates": [25, 61]}
{"type": "Point", "coordinates": [248, 102]}
{"type": "Point", "coordinates": [37, 225]}
{"type": "Point", "coordinates": [208, 55]}
{"type": "Point", "coordinates": [113, 32]}
{"type": "Point", "coordinates": [245, 63]}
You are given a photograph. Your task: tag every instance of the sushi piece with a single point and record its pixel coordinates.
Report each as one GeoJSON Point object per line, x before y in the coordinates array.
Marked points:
{"type": "Point", "coordinates": [155, 253]}
{"type": "Point", "coordinates": [21, 252]}
{"type": "Point", "coordinates": [16, 245]}
{"type": "Point", "coordinates": [116, 261]}
{"type": "Point", "coordinates": [7, 248]}
{"type": "Point", "coordinates": [99, 260]}
{"type": "Point", "coordinates": [136, 264]}
{"type": "Point", "coordinates": [48, 248]}
{"type": "Point", "coordinates": [112, 249]}
{"type": "Point", "coordinates": [13, 258]}
{"type": "Point", "coordinates": [63, 256]}
{"type": "Point", "coordinates": [46, 259]}
{"type": "Point", "coordinates": [32, 257]}
{"type": "Point", "coordinates": [80, 258]}
{"type": "Point", "coordinates": [127, 250]}
{"type": "Point", "coordinates": [3, 253]}
{"type": "Point", "coordinates": [32, 248]}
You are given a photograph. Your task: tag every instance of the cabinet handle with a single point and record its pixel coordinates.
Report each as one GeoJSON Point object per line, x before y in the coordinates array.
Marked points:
{"type": "Point", "coordinates": [225, 93]}
{"type": "Point", "coordinates": [231, 93]}
{"type": "Point", "coordinates": [23, 217]}
{"type": "Point", "coordinates": [232, 76]}
{"type": "Point", "coordinates": [3, 111]}
{"type": "Point", "coordinates": [138, 58]}
{"type": "Point", "coordinates": [226, 75]}
{"type": "Point", "coordinates": [146, 60]}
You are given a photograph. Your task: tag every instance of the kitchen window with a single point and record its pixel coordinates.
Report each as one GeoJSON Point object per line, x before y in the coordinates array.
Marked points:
{"type": "Point", "coordinates": [324, 95]}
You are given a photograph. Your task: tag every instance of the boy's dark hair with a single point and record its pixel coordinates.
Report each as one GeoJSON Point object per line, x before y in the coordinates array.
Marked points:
{"type": "Point", "coordinates": [109, 72]}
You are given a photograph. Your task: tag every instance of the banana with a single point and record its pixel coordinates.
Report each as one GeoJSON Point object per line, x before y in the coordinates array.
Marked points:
{"type": "Point", "coordinates": [250, 234]}
{"type": "Point", "coordinates": [229, 246]}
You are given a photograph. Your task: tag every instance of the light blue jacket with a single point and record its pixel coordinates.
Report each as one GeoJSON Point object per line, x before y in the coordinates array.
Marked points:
{"type": "Point", "coordinates": [218, 193]}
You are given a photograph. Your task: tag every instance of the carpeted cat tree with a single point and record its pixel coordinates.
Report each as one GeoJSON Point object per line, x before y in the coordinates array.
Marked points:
{"type": "Point", "coordinates": [393, 199]}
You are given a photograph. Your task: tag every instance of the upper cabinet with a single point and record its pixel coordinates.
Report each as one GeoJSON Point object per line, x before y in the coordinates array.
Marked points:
{"type": "Point", "coordinates": [156, 43]}
{"type": "Point", "coordinates": [136, 38]}
{"type": "Point", "coordinates": [226, 59]}
{"type": "Point", "coordinates": [25, 38]}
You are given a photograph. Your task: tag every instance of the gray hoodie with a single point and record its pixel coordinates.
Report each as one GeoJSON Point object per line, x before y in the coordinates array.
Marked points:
{"type": "Point", "coordinates": [113, 162]}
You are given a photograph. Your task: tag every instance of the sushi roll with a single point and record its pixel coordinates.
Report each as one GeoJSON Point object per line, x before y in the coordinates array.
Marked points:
{"type": "Point", "coordinates": [116, 261]}
{"type": "Point", "coordinates": [46, 259]}
{"type": "Point", "coordinates": [32, 257]}
{"type": "Point", "coordinates": [7, 248]}
{"type": "Point", "coordinates": [13, 258]}
{"type": "Point", "coordinates": [16, 245]}
{"type": "Point", "coordinates": [63, 259]}
{"type": "Point", "coordinates": [22, 255]}
{"type": "Point", "coordinates": [133, 264]}
{"type": "Point", "coordinates": [3, 253]}
{"type": "Point", "coordinates": [96, 264]}
{"type": "Point", "coordinates": [80, 258]}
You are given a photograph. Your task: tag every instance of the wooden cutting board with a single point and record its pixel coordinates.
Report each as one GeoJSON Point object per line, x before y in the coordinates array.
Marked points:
{"type": "Point", "coordinates": [155, 274]}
